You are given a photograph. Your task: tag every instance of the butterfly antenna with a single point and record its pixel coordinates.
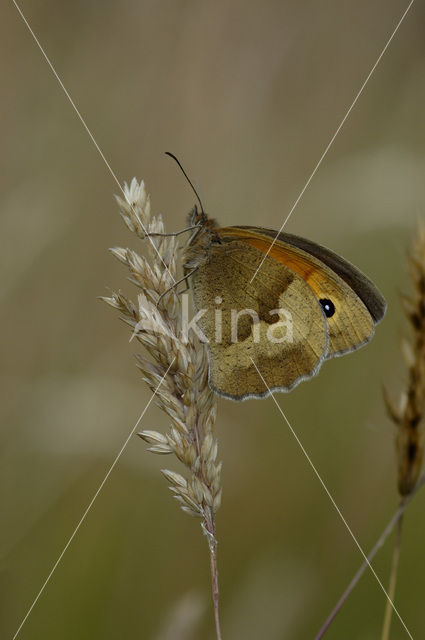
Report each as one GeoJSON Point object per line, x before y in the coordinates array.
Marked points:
{"type": "Point", "coordinates": [187, 178]}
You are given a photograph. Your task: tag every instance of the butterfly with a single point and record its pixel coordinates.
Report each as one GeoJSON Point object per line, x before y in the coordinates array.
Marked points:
{"type": "Point", "coordinates": [273, 306]}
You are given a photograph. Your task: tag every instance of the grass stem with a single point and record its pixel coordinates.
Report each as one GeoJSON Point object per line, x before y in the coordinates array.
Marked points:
{"type": "Point", "coordinates": [393, 580]}
{"type": "Point", "coordinates": [380, 542]}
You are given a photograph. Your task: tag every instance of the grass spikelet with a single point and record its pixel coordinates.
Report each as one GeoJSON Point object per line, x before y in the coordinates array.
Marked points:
{"type": "Point", "coordinates": [409, 413]}
{"type": "Point", "coordinates": [182, 365]}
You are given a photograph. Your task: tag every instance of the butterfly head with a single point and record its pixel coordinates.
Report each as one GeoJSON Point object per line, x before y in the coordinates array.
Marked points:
{"type": "Point", "coordinates": [197, 218]}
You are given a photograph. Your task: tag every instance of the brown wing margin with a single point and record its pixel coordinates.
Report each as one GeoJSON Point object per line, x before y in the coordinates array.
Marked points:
{"type": "Point", "coordinates": [361, 285]}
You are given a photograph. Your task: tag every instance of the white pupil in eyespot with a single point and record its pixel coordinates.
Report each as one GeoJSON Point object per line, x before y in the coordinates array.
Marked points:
{"type": "Point", "coordinates": [328, 307]}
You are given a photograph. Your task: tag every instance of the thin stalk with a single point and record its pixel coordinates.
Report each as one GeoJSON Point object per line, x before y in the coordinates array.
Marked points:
{"type": "Point", "coordinates": [214, 579]}
{"type": "Point", "coordinates": [209, 530]}
{"type": "Point", "coordinates": [208, 526]}
{"type": "Point", "coordinates": [380, 542]}
{"type": "Point", "coordinates": [393, 581]}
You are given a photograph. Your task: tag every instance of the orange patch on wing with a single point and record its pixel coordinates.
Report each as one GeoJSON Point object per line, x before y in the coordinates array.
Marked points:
{"type": "Point", "coordinates": [291, 257]}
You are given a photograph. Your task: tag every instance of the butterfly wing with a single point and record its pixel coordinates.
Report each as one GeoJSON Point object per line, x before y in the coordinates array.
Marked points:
{"type": "Point", "coordinates": [352, 302]}
{"type": "Point", "coordinates": [358, 281]}
{"type": "Point", "coordinates": [246, 335]}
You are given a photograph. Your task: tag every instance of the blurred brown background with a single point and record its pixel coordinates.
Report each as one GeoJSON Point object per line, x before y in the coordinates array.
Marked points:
{"type": "Point", "coordinates": [248, 95]}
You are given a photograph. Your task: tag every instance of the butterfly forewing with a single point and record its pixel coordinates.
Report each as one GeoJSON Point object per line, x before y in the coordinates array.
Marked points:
{"type": "Point", "coordinates": [350, 323]}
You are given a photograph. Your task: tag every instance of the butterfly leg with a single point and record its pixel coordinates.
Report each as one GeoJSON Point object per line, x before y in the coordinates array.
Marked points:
{"type": "Point", "coordinates": [173, 286]}
{"type": "Point", "coordinates": [168, 235]}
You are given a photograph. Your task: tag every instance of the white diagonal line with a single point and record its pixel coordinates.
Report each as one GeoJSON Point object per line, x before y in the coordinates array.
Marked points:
{"type": "Point", "coordinates": [322, 482]}
{"type": "Point", "coordinates": [90, 505]}
{"type": "Point", "coordinates": [88, 131]}
{"type": "Point", "coordinates": [334, 136]}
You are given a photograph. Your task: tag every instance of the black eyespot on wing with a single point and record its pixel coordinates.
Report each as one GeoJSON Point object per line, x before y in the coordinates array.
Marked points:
{"type": "Point", "coordinates": [328, 307]}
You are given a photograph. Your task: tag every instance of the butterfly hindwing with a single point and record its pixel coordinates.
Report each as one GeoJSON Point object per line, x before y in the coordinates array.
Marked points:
{"type": "Point", "coordinates": [285, 348]}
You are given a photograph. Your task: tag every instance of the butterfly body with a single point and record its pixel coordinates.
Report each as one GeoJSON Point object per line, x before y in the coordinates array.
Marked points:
{"type": "Point", "coordinates": [274, 304]}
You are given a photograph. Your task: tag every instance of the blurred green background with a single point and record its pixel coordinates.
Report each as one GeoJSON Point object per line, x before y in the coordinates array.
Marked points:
{"type": "Point", "coordinates": [248, 95]}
